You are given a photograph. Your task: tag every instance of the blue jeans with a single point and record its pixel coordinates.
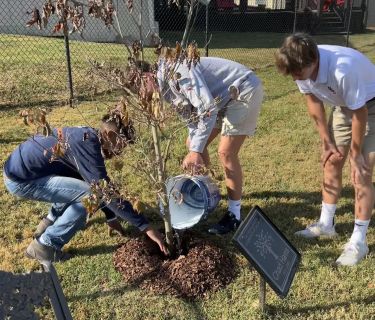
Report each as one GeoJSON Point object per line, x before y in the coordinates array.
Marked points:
{"type": "Point", "coordinates": [67, 211]}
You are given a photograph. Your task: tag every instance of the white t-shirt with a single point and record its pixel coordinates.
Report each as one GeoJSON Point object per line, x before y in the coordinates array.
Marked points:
{"type": "Point", "coordinates": [345, 78]}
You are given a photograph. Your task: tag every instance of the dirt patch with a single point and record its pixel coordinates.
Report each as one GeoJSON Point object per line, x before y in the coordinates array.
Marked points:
{"type": "Point", "coordinates": [205, 268]}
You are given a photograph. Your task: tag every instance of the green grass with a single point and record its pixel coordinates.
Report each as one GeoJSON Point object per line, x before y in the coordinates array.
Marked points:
{"type": "Point", "coordinates": [282, 176]}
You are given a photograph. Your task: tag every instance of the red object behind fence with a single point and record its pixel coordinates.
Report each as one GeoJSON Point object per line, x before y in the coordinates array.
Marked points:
{"type": "Point", "coordinates": [329, 3]}
{"type": "Point", "coordinates": [225, 4]}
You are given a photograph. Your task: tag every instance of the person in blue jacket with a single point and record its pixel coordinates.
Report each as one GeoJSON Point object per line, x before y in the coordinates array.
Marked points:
{"type": "Point", "coordinates": [36, 171]}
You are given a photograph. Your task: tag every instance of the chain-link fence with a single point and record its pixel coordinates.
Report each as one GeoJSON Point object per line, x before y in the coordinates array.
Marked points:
{"type": "Point", "coordinates": [39, 66]}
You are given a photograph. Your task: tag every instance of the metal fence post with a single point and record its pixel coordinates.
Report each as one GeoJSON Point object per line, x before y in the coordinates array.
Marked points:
{"type": "Point", "coordinates": [295, 15]}
{"type": "Point", "coordinates": [349, 21]}
{"type": "Point", "coordinates": [68, 65]}
{"type": "Point", "coordinates": [206, 34]}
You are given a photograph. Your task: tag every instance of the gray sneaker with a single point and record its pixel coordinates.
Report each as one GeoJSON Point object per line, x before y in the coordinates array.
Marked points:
{"type": "Point", "coordinates": [43, 253]}
{"type": "Point", "coordinates": [42, 226]}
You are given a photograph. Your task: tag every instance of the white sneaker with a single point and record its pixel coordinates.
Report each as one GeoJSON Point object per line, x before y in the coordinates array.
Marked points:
{"type": "Point", "coordinates": [317, 230]}
{"type": "Point", "coordinates": [352, 254]}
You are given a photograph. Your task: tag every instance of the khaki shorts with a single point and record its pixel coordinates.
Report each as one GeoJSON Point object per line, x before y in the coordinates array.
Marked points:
{"type": "Point", "coordinates": [239, 117]}
{"type": "Point", "coordinates": [340, 126]}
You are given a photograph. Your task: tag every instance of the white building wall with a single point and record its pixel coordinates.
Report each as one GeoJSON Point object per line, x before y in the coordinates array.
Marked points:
{"type": "Point", "coordinates": [13, 19]}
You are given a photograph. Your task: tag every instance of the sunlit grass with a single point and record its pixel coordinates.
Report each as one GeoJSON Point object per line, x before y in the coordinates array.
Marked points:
{"type": "Point", "coordinates": [282, 176]}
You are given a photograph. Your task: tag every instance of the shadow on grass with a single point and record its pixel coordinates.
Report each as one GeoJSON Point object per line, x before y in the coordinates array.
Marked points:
{"type": "Point", "coordinates": [93, 250]}
{"type": "Point", "coordinates": [272, 97]}
{"type": "Point", "coordinates": [100, 294]}
{"type": "Point", "coordinates": [20, 294]}
{"type": "Point", "coordinates": [11, 140]}
{"type": "Point", "coordinates": [307, 310]}
{"type": "Point", "coordinates": [116, 292]}
{"type": "Point", "coordinates": [55, 102]}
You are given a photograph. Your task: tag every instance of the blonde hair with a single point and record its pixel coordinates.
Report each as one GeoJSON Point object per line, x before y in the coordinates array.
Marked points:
{"type": "Point", "coordinates": [297, 52]}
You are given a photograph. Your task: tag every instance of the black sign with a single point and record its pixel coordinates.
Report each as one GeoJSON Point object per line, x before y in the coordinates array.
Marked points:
{"type": "Point", "coordinates": [271, 254]}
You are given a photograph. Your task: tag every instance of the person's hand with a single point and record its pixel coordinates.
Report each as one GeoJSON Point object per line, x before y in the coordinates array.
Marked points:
{"type": "Point", "coordinates": [157, 237]}
{"type": "Point", "coordinates": [115, 226]}
{"type": "Point", "coordinates": [193, 163]}
{"type": "Point", "coordinates": [234, 92]}
{"type": "Point", "coordinates": [360, 171]}
{"type": "Point", "coordinates": [330, 153]}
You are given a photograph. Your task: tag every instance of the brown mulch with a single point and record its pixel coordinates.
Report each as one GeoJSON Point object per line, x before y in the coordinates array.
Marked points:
{"type": "Point", "coordinates": [205, 268]}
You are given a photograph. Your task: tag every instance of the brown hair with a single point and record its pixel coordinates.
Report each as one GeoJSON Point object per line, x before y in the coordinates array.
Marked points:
{"type": "Point", "coordinates": [113, 122]}
{"type": "Point", "coordinates": [297, 52]}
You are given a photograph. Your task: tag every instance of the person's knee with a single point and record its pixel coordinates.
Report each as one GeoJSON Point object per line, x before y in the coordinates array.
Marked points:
{"type": "Point", "coordinates": [335, 167]}
{"type": "Point", "coordinates": [230, 163]}
{"type": "Point", "coordinates": [224, 156]}
{"type": "Point", "coordinates": [80, 215]}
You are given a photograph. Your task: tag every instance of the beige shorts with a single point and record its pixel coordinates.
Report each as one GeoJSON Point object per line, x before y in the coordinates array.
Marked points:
{"type": "Point", "coordinates": [239, 117]}
{"type": "Point", "coordinates": [340, 126]}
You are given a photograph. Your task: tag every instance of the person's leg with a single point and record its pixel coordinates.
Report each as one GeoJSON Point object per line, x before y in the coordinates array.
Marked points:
{"type": "Point", "coordinates": [340, 130]}
{"type": "Point", "coordinates": [340, 126]}
{"type": "Point", "coordinates": [229, 148]}
{"type": "Point", "coordinates": [65, 226]}
{"type": "Point", "coordinates": [356, 248]}
{"type": "Point", "coordinates": [364, 204]}
{"type": "Point", "coordinates": [239, 122]}
{"type": "Point", "coordinates": [331, 188]}
{"type": "Point", "coordinates": [56, 210]}
{"type": "Point", "coordinates": [66, 194]}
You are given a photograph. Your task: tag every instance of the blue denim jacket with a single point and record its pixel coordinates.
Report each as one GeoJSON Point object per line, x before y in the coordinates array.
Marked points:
{"type": "Point", "coordinates": [203, 88]}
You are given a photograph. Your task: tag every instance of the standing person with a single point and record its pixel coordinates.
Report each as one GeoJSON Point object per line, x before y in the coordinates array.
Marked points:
{"type": "Point", "coordinates": [36, 171]}
{"type": "Point", "coordinates": [215, 96]}
{"type": "Point", "coordinates": [344, 78]}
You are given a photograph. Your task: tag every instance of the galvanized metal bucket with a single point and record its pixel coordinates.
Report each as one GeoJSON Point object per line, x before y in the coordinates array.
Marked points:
{"type": "Point", "coordinates": [191, 199]}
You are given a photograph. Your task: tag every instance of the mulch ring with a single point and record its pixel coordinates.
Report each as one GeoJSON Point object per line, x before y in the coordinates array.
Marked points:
{"type": "Point", "coordinates": [205, 268]}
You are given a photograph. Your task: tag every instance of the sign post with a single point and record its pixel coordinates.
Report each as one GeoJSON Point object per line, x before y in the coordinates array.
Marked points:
{"type": "Point", "coordinates": [262, 294]}
{"type": "Point", "coordinates": [269, 252]}
{"type": "Point", "coordinates": [206, 3]}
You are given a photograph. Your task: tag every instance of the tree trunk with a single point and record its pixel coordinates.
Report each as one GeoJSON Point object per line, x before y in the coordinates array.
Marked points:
{"type": "Point", "coordinates": [161, 179]}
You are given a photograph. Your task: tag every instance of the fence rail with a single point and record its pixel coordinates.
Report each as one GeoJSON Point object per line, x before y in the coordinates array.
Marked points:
{"type": "Point", "coordinates": [41, 67]}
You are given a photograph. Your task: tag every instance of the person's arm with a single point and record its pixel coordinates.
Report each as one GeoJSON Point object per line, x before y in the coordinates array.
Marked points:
{"type": "Point", "coordinates": [86, 155]}
{"type": "Point", "coordinates": [157, 237]}
{"type": "Point", "coordinates": [359, 168]}
{"type": "Point", "coordinates": [194, 88]}
{"type": "Point", "coordinates": [316, 111]}
{"type": "Point", "coordinates": [124, 210]}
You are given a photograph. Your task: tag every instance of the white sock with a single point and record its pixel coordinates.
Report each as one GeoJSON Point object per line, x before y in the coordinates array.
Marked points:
{"type": "Point", "coordinates": [51, 217]}
{"type": "Point", "coordinates": [234, 206]}
{"type": "Point", "coordinates": [360, 230]}
{"type": "Point", "coordinates": [327, 214]}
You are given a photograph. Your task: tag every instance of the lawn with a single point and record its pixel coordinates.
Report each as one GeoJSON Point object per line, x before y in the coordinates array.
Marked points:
{"type": "Point", "coordinates": [281, 175]}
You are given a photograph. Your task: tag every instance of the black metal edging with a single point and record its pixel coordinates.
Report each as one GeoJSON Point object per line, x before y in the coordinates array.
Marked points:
{"type": "Point", "coordinates": [58, 300]}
